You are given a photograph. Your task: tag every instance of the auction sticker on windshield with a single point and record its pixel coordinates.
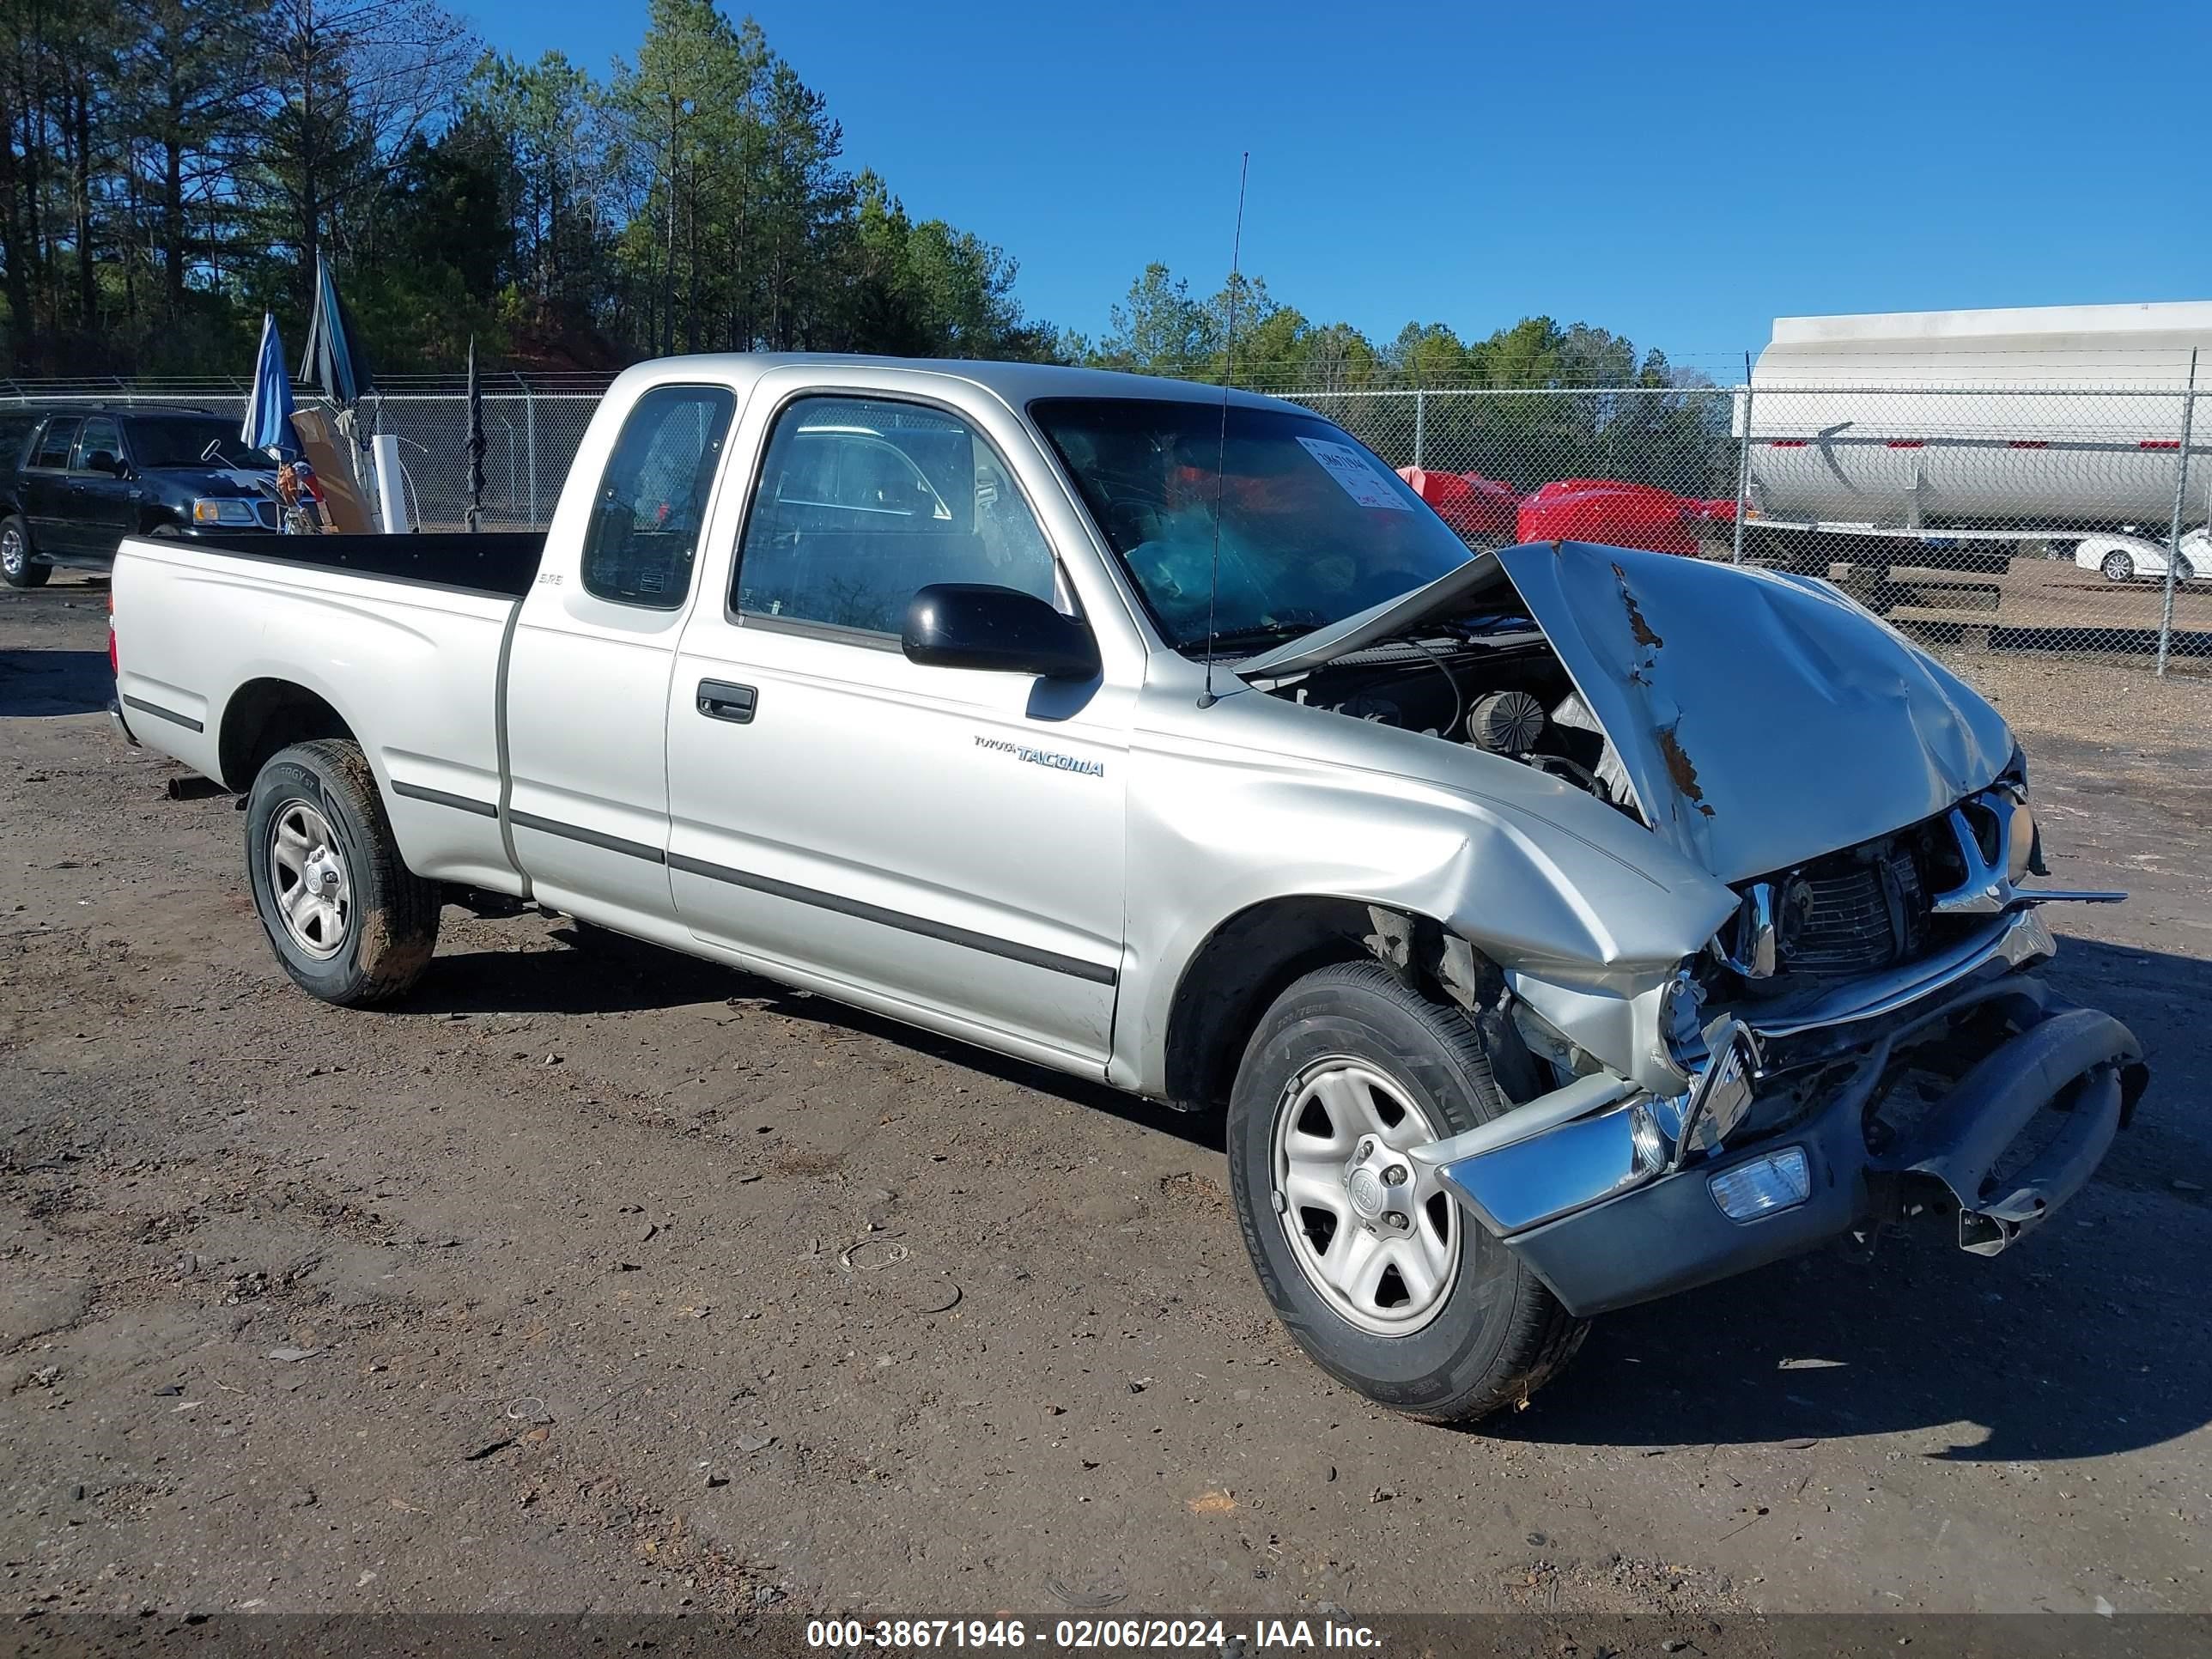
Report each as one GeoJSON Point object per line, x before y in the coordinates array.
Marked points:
{"type": "Point", "coordinates": [1356, 473]}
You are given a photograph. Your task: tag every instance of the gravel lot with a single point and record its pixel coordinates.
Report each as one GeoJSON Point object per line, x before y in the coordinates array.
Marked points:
{"type": "Point", "coordinates": [596, 1278]}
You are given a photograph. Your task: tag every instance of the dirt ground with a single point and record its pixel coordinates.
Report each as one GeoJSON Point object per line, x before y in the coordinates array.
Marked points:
{"type": "Point", "coordinates": [598, 1279]}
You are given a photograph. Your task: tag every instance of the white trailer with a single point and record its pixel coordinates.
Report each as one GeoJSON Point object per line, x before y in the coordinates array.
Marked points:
{"type": "Point", "coordinates": [1975, 426]}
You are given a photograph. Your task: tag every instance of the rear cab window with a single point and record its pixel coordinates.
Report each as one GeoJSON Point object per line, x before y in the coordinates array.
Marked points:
{"type": "Point", "coordinates": [643, 538]}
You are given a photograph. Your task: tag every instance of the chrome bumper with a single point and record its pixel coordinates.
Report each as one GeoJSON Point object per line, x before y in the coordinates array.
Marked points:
{"type": "Point", "coordinates": [1609, 1193]}
{"type": "Point", "coordinates": [120, 726]}
{"type": "Point", "coordinates": [2020, 938]}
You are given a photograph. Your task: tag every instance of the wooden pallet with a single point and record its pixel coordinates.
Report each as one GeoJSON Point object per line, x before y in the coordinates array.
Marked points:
{"type": "Point", "coordinates": [1962, 603]}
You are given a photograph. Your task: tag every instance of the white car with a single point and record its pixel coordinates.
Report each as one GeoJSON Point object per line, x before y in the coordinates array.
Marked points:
{"type": "Point", "coordinates": [2123, 558]}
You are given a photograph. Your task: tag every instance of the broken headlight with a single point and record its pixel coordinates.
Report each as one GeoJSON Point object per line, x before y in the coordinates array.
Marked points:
{"type": "Point", "coordinates": [2024, 843]}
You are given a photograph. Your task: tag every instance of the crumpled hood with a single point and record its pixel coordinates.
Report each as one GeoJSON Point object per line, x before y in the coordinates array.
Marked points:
{"type": "Point", "coordinates": [1764, 719]}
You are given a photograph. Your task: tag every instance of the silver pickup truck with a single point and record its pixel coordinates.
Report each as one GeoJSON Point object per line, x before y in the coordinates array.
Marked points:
{"type": "Point", "coordinates": [1557, 927]}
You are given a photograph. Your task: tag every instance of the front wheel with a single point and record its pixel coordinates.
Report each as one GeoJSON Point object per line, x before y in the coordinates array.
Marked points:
{"type": "Point", "coordinates": [17, 567]}
{"type": "Point", "coordinates": [350, 922]}
{"type": "Point", "coordinates": [2118, 568]}
{"type": "Point", "coordinates": [1375, 1269]}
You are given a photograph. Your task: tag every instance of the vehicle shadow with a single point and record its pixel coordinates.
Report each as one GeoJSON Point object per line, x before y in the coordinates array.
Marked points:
{"type": "Point", "coordinates": [613, 974]}
{"type": "Point", "coordinates": [606, 975]}
{"type": "Point", "coordinates": [2057, 1350]}
{"type": "Point", "coordinates": [40, 685]}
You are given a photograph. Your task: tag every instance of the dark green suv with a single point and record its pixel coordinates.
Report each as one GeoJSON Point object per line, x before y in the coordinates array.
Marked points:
{"type": "Point", "coordinates": [74, 482]}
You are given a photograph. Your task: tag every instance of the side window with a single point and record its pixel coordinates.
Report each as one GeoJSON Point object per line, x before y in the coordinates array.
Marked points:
{"type": "Point", "coordinates": [645, 519]}
{"type": "Point", "coordinates": [862, 500]}
{"type": "Point", "coordinates": [60, 436]}
{"type": "Point", "coordinates": [16, 432]}
{"type": "Point", "coordinates": [100, 433]}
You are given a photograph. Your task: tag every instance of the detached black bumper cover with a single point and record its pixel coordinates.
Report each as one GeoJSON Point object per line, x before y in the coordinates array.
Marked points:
{"type": "Point", "coordinates": [2083, 1066]}
{"type": "Point", "coordinates": [2077, 1060]}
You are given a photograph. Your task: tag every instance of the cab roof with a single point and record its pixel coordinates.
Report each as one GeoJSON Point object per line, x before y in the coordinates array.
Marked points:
{"type": "Point", "coordinates": [1014, 383]}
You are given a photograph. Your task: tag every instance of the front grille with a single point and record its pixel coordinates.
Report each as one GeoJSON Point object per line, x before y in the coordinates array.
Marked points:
{"type": "Point", "coordinates": [268, 513]}
{"type": "Point", "coordinates": [1858, 910]}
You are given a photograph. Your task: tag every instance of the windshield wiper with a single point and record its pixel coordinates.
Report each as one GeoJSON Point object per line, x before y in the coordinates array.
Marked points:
{"type": "Point", "coordinates": [1231, 640]}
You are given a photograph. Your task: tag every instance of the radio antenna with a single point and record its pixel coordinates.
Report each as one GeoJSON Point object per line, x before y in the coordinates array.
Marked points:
{"type": "Point", "coordinates": [1221, 449]}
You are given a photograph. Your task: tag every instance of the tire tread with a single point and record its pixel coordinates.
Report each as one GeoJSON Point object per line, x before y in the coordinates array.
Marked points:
{"type": "Point", "coordinates": [398, 934]}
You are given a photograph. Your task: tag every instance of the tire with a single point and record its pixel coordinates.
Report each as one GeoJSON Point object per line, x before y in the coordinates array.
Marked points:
{"type": "Point", "coordinates": [17, 567]}
{"type": "Point", "coordinates": [314, 820]}
{"type": "Point", "coordinates": [2117, 566]}
{"type": "Point", "coordinates": [1484, 1333]}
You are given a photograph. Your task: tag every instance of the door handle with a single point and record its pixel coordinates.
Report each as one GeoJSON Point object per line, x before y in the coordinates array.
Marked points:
{"type": "Point", "coordinates": [720, 701]}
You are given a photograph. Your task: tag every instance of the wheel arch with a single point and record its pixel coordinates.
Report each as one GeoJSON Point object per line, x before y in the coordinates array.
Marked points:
{"type": "Point", "coordinates": [1252, 957]}
{"type": "Point", "coordinates": [264, 715]}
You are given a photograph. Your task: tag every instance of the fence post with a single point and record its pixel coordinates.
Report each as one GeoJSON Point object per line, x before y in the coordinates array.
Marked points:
{"type": "Point", "coordinates": [529, 448]}
{"type": "Point", "coordinates": [1743, 463]}
{"type": "Point", "coordinates": [1420, 422]}
{"type": "Point", "coordinates": [2180, 491]}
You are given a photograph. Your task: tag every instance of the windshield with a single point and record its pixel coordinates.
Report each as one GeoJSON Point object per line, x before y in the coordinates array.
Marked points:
{"type": "Point", "coordinates": [182, 443]}
{"type": "Point", "coordinates": [1313, 527]}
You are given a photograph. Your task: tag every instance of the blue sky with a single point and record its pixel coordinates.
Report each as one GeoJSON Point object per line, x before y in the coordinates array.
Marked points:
{"type": "Point", "coordinates": [1681, 174]}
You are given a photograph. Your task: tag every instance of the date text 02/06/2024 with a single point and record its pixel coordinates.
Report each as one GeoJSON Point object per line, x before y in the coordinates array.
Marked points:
{"type": "Point", "coordinates": [1206, 1635]}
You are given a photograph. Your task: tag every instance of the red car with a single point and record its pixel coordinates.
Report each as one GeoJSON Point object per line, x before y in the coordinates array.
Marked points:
{"type": "Point", "coordinates": [1481, 509]}
{"type": "Point", "coordinates": [1616, 514]}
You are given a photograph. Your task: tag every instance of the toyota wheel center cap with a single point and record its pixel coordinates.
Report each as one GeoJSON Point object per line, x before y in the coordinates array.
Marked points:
{"type": "Point", "coordinates": [1366, 1190]}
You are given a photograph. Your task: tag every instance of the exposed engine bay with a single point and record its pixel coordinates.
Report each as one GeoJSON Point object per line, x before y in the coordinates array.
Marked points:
{"type": "Point", "coordinates": [1489, 679]}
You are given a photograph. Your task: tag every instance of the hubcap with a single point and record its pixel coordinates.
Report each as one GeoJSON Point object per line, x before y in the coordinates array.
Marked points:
{"type": "Point", "coordinates": [1373, 1230]}
{"type": "Point", "coordinates": [307, 879]}
{"type": "Point", "coordinates": [11, 552]}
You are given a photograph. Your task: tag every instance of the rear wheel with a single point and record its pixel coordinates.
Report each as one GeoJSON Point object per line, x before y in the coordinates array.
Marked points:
{"type": "Point", "coordinates": [350, 922]}
{"type": "Point", "coordinates": [1375, 1269]}
{"type": "Point", "coordinates": [17, 567]}
{"type": "Point", "coordinates": [2117, 566]}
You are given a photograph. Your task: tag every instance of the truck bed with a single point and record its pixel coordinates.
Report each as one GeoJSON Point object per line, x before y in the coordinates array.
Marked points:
{"type": "Point", "coordinates": [499, 563]}
{"type": "Point", "coordinates": [221, 643]}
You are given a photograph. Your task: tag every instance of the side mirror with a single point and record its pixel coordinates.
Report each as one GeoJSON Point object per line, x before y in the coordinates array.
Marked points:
{"type": "Point", "coordinates": [104, 460]}
{"type": "Point", "coordinates": [1003, 629]}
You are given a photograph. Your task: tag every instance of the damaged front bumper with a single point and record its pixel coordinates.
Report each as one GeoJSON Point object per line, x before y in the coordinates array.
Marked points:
{"type": "Point", "coordinates": [1613, 1198]}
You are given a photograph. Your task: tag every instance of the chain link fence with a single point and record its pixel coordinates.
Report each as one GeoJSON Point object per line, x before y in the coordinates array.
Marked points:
{"type": "Point", "coordinates": [530, 437]}
{"type": "Point", "coordinates": [1981, 521]}
{"type": "Point", "coordinates": [1988, 523]}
